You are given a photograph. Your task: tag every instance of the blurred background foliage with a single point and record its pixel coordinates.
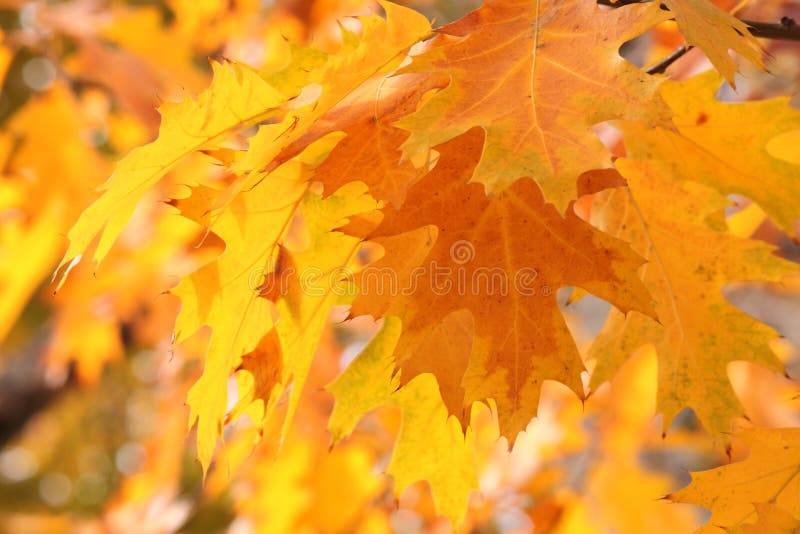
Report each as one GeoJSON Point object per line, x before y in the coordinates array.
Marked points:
{"type": "Point", "coordinates": [92, 418]}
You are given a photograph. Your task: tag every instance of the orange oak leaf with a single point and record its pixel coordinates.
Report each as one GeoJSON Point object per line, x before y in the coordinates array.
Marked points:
{"type": "Point", "coordinates": [536, 76]}
{"type": "Point", "coordinates": [502, 258]}
{"type": "Point", "coordinates": [371, 152]}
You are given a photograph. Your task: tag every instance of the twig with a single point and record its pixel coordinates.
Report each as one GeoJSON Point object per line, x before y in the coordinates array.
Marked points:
{"type": "Point", "coordinates": [664, 64]}
{"type": "Point", "coordinates": [619, 3]}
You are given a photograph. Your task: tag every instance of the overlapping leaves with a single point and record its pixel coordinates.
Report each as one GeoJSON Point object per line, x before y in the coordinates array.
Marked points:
{"type": "Point", "coordinates": [476, 147]}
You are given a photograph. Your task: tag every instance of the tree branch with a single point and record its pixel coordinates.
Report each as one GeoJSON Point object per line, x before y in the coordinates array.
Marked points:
{"type": "Point", "coordinates": [786, 29]}
{"type": "Point", "coordinates": [664, 64]}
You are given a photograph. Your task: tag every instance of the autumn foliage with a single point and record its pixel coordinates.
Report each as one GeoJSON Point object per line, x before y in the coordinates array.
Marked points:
{"type": "Point", "coordinates": [531, 269]}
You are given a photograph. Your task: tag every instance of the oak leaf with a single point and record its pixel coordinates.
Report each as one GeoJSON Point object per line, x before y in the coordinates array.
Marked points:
{"type": "Point", "coordinates": [737, 493]}
{"type": "Point", "coordinates": [715, 32]}
{"type": "Point", "coordinates": [431, 445]}
{"type": "Point", "coordinates": [502, 258]}
{"type": "Point", "coordinates": [536, 76]}
{"type": "Point", "coordinates": [690, 258]}
{"type": "Point", "coordinates": [322, 279]}
{"type": "Point", "coordinates": [772, 519]}
{"type": "Point", "coordinates": [242, 293]}
{"type": "Point", "coordinates": [224, 293]}
{"type": "Point", "coordinates": [370, 151]}
{"type": "Point", "coordinates": [380, 49]}
{"type": "Point", "coordinates": [237, 96]}
{"type": "Point", "coordinates": [712, 146]}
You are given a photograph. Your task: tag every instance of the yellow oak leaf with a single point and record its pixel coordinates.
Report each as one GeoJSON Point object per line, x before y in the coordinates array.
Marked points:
{"type": "Point", "coordinates": [241, 293]}
{"type": "Point", "coordinates": [238, 96]}
{"type": "Point", "coordinates": [772, 519]}
{"type": "Point", "coordinates": [502, 258]}
{"type": "Point", "coordinates": [380, 48]}
{"type": "Point", "coordinates": [715, 32]}
{"type": "Point", "coordinates": [713, 147]}
{"type": "Point", "coordinates": [691, 257]}
{"type": "Point", "coordinates": [764, 486]}
{"type": "Point", "coordinates": [536, 76]}
{"type": "Point", "coordinates": [320, 279]}
{"type": "Point", "coordinates": [431, 445]}
{"type": "Point", "coordinates": [367, 382]}
{"type": "Point", "coordinates": [224, 294]}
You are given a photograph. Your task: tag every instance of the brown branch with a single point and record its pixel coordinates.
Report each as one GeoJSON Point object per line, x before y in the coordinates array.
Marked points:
{"type": "Point", "coordinates": [664, 64]}
{"type": "Point", "coordinates": [786, 29]}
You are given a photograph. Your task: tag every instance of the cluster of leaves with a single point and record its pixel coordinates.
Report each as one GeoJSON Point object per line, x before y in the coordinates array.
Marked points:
{"type": "Point", "coordinates": [473, 150]}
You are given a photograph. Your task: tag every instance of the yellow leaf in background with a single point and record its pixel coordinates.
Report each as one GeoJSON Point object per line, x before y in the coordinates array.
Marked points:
{"type": "Point", "coordinates": [142, 32]}
{"type": "Point", "coordinates": [22, 267]}
{"type": "Point", "coordinates": [308, 489]}
{"type": "Point", "coordinates": [36, 207]}
{"type": "Point", "coordinates": [340, 503]}
{"type": "Point", "coordinates": [769, 475]}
